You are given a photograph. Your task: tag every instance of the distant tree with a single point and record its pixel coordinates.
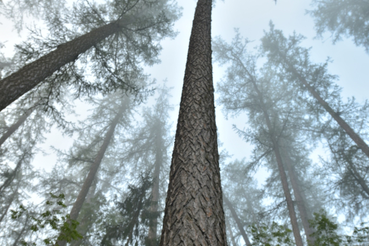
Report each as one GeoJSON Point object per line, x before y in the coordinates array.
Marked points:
{"type": "Point", "coordinates": [147, 155]}
{"type": "Point", "coordinates": [244, 72]}
{"type": "Point", "coordinates": [241, 198]}
{"type": "Point", "coordinates": [293, 61]}
{"type": "Point", "coordinates": [118, 105]}
{"type": "Point", "coordinates": [347, 166]}
{"type": "Point", "coordinates": [134, 214]}
{"type": "Point", "coordinates": [194, 205]}
{"type": "Point", "coordinates": [276, 118]}
{"type": "Point", "coordinates": [342, 18]}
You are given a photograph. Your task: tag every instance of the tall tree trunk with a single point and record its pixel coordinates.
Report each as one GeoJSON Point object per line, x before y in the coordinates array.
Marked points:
{"type": "Point", "coordinates": [194, 208]}
{"type": "Point", "coordinates": [20, 234]}
{"type": "Point", "coordinates": [300, 198]}
{"type": "Point", "coordinates": [159, 148]}
{"type": "Point", "coordinates": [14, 173]}
{"type": "Point", "coordinates": [26, 78]}
{"type": "Point", "coordinates": [355, 137]}
{"type": "Point", "coordinates": [282, 173]}
{"type": "Point", "coordinates": [93, 169]}
{"type": "Point", "coordinates": [16, 125]}
{"type": "Point", "coordinates": [233, 241]}
{"type": "Point", "coordinates": [12, 197]}
{"type": "Point", "coordinates": [238, 221]}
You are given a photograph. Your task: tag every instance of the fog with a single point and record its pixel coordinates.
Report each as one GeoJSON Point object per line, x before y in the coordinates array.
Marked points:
{"type": "Point", "coordinates": [94, 138]}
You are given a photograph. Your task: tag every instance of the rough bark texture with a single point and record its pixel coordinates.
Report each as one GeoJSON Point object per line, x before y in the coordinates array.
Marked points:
{"type": "Point", "coordinates": [282, 173]}
{"type": "Point", "coordinates": [355, 137]}
{"type": "Point", "coordinates": [194, 207]}
{"type": "Point", "coordinates": [16, 125]}
{"type": "Point", "coordinates": [300, 198]}
{"type": "Point", "coordinates": [77, 206]}
{"type": "Point", "coordinates": [238, 221]}
{"type": "Point", "coordinates": [159, 145]}
{"type": "Point", "coordinates": [26, 78]}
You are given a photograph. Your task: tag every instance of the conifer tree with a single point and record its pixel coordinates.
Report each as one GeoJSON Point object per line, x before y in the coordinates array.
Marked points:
{"type": "Point", "coordinates": [194, 207]}
{"type": "Point", "coordinates": [294, 61]}
{"type": "Point", "coordinates": [132, 26]}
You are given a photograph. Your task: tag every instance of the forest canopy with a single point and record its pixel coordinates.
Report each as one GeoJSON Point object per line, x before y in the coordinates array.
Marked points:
{"type": "Point", "coordinates": [142, 122]}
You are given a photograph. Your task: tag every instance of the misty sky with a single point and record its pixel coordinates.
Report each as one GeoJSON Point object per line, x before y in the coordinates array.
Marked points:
{"type": "Point", "coordinates": [350, 63]}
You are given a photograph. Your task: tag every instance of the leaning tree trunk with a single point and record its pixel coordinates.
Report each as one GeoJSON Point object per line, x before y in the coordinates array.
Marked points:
{"type": "Point", "coordinates": [194, 208]}
{"type": "Point", "coordinates": [159, 148]}
{"type": "Point", "coordinates": [16, 125]}
{"type": "Point", "coordinates": [346, 127]}
{"type": "Point", "coordinates": [300, 198]}
{"type": "Point", "coordinates": [238, 221]}
{"type": "Point", "coordinates": [93, 169]}
{"type": "Point", "coordinates": [28, 77]}
{"type": "Point", "coordinates": [282, 173]}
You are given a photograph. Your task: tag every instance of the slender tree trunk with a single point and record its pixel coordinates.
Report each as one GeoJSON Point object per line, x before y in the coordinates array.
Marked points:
{"type": "Point", "coordinates": [233, 241]}
{"type": "Point", "coordinates": [16, 125]}
{"type": "Point", "coordinates": [282, 173]}
{"type": "Point", "coordinates": [22, 231]}
{"type": "Point", "coordinates": [93, 169]}
{"type": "Point", "coordinates": [355, 137]}
{"type": "Point", "coordinates": [85, 221]}
{"type": "Point", "coordinates": [238, 221]}
{"type": "Point", "coordinates": [12, 176]}
{"type": "Point", "coordinates": [194, 208]}
{"type": "Point", "coordinates": [26, 78]}
{"type": "Point", "coordinates": [300, 198]}
{"type": "Point", "coordinates": [152, 236]}
{"type": "Point", "coordinates": [5, 211]}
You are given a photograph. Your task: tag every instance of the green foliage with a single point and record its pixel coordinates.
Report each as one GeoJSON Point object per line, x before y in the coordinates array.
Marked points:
{"type": "Point", "coordinates": [268, 235]}
{"type": "Point", "coordinates": [326, 233]}
{"type": "Point", "coordinates": [52, 218]}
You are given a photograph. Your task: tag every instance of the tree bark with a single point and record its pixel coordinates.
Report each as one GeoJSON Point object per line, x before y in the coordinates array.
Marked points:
{"type": "Point", "coordinates": [300, 199]}
{"type": "Point", "coordinates": [16, 125]}
{"type": "Point", "coordinates": [282, 173]}
{"type": "Point", "coordinates": [194, 208]}
{"type": "Point", "coordinates": [238, 221]}
{"type": "Point", "coordinates": [159, 148]}
{"type": "Point", "coordinates": [93, 169]}
{"type": "Point", "coordinates": [341, 122]}
{"type": "Point", "coordinates": [26, 78]}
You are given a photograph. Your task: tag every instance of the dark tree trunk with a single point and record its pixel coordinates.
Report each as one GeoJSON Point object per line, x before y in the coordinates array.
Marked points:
{"type": "Point", "coordinates": [355, 137]}
{"type": "Point", "coordinates": [194, 208]}
{"type": "Point", "coordinates": [26, 78]}
{"type": "Point", "coordinates": [16, 125]}
{"type": "Point", "coordinates": [238, 221]}
{"type": "Point", "coordinates": [300, 198]}
{"type": "Point", "coordinates": [282, 173]}
{"type": "Point", "coordinates": [159, 148]}
{"type": "Point", "coordinates": [93, 169]}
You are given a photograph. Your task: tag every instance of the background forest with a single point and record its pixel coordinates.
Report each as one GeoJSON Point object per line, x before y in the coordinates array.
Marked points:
{"type": "Point", "coordinates": [85, 154]}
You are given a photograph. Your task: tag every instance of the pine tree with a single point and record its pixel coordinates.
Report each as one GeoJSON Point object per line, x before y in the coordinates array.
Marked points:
{"type": "Point", "coordinates": [294, 61]}
{"type": "Point", "coordinates": [131, 20]}
{"type": "Point", "coordinates": [342, 18]}
{"type": "Point", "coordinates": [194, 207]}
